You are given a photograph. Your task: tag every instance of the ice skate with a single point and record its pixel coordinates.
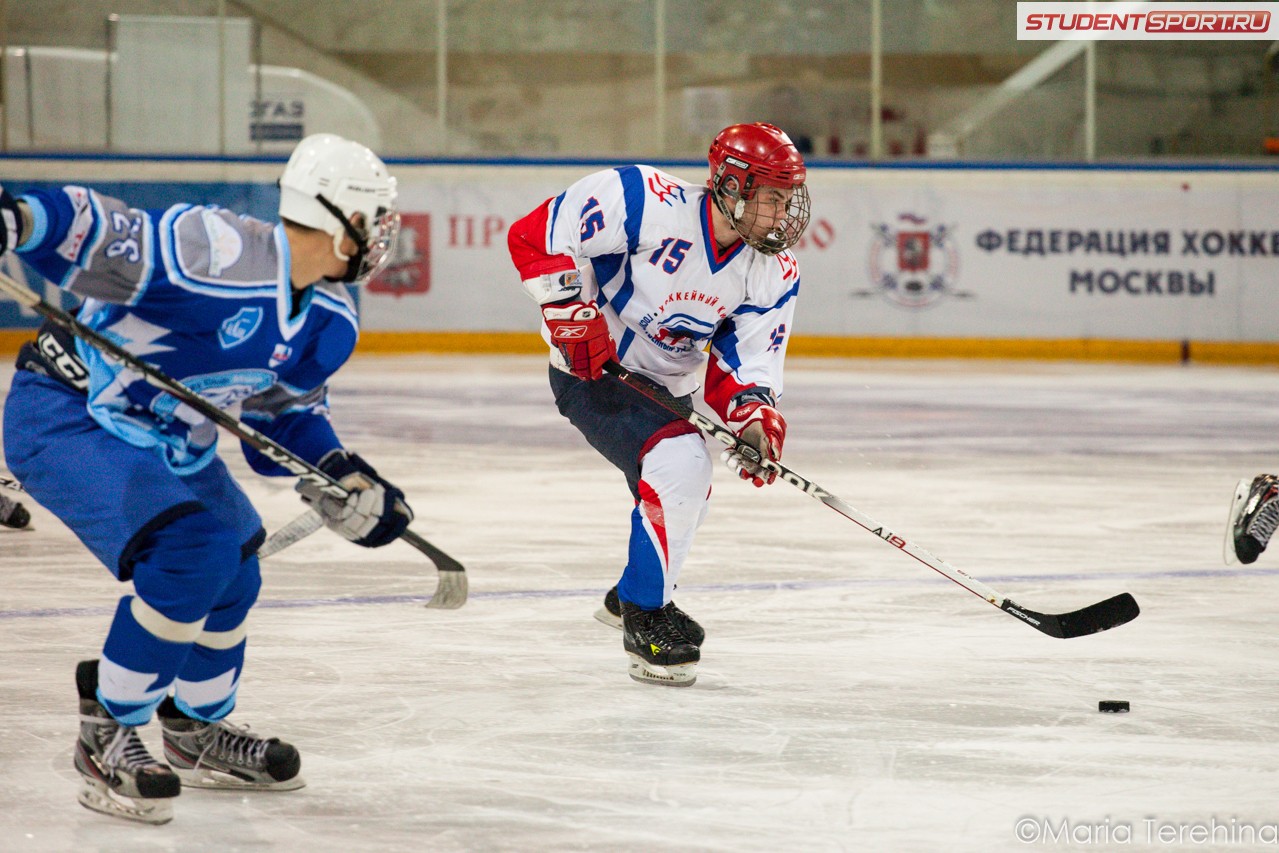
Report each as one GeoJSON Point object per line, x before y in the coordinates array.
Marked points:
{"type": "Point", "coordinates": [1254, 514]}
{"type": "Point", "coordinates": [659, 651]}
{"type": "Point", "coordinates": [13, 514]}
{"type": "Point", "coordinates": [120, 777]}
{"type": "Point", "coordinates": [220, 755]}
{"type": "Point", "coordinates": [611, 614]}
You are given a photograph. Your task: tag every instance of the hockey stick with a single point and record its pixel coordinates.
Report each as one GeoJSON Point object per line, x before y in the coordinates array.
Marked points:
{"type": "Point", "coordinates": [1096, 617]}
{"type": "Point", "coordinates": [451, 591]}
{"type": "Point", "coordinates": [293, 532]}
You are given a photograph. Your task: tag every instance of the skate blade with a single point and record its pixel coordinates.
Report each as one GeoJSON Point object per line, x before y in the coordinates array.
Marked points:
{"type": "Point", "coordinates": [1236, 509]}
{"type": "Point", "coordinates": [602, 615]}
{"type": "Point", "coordinates": [100, 798]}
{"type": "Point", "coordinates": [681, 675]}
{"type": "Point", "coordinates": [213, 780]}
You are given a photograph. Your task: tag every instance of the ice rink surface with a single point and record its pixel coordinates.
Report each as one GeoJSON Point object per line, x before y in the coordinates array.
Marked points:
{"type": "Point", "coordinates": [848, 698]}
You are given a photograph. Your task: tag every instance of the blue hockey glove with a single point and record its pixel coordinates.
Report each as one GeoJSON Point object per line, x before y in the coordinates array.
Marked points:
{"type": "Point", "coordinates": [374, 514]}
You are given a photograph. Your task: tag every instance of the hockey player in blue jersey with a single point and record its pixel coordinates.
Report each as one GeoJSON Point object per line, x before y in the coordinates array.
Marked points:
{"type": "Point", "coordinates": [671, 279]}
{"type": "Point", "coordinates": [241, 311]}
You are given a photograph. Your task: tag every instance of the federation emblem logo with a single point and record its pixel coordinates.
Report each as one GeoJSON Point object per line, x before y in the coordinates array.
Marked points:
{"type": "Point", "coordinates": [408, 270]}
{"type": "Point", "coordinates": [913, 265]}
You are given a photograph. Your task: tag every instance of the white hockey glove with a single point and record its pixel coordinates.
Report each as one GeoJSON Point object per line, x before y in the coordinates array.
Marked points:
{"type": "Point", "coordinates": [373, 515]}
{"type": "Point", "coordinates": [761, 427]}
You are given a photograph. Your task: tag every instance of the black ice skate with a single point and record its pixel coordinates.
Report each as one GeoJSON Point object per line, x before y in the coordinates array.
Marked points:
{"type": "Point", "coordinates": [13, 514]}
{"type": "Point", "coordinates": [120, 777]}
{"type": "Point", "coordinates": [611, 614]}
{"type": "Point", "coordinates": [220, 755]}
{"type": "Point", "coordinates": [659, 651]}
{"type": "Point", "coordinates": [1254, 514]}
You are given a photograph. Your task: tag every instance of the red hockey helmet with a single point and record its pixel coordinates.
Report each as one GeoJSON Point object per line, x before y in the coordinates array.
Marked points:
{"type": "Point", "coordinates": [744, 157]}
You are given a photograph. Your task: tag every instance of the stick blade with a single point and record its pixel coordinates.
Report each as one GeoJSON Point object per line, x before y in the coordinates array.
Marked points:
{"type": "Point", "coordinates": [451, 592]}
{"type": "Point", "coordinates": [1102, 616]}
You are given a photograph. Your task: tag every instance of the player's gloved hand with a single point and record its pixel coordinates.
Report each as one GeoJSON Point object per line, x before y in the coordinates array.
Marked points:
{"type": "Point", "coordinates": [375, 512]}
{"type": "Point", "coordinates": [761, 427]}
{"type": "Point", "coordinates": [580, 332]}
{"type": "Point", "coordinates": [10, 222]}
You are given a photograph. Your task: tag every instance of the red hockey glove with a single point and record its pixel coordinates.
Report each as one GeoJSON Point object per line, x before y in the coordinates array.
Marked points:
{"type": "Point", "coordinates": [763, 428]}
{"type": "Point", "coordinates": [580, 332]}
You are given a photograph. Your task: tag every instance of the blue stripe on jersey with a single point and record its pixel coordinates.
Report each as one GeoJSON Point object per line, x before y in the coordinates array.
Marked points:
{"type": "Point", "coordinates": [324, 300]}
{"type": "Point", "coordinates": [627, 339]}
{"type": "Point", "coordinates": [725, 343]}
{"type": "Point", "coordinates": [606, 267]}
{"type": "Point", "coordinates": [633, 195]}
{"type": "Point", "coordinates": [713, 259]}
{"type": "Point", "coordinates": [550, 224]}
{"type": "Point", "coordinates": [755, 309]}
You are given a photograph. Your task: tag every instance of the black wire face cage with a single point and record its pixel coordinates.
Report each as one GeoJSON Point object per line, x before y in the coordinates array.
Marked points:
{"type": "Point", "coordinates": [737, 206]}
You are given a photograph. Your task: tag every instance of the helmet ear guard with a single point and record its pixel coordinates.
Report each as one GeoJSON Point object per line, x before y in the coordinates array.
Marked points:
{"type": "Point", "coordinates": [745, 157]}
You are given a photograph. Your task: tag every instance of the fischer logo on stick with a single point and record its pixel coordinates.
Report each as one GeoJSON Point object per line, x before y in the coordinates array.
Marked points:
{"type": "Point", "coordinates": [1144, 21]}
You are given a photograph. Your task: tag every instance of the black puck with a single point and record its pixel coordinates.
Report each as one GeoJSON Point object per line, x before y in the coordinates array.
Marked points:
{"type": "Point", "coordinates": [1113, 706]}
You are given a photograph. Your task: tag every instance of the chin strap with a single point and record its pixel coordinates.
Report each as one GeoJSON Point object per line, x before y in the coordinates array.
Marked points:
{"type": "Point", "coordinates": [353, 262]}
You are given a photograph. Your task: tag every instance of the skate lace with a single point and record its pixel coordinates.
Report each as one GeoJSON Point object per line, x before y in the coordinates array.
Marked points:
{"type": "Point", "coordinates": [1267, 518]}
{"type": "Point", "coordinates": [236, 745]}
{"type": "Point", "coordinates": [126, 749]}
{"type": "Point", "coordinates": [663, 631]}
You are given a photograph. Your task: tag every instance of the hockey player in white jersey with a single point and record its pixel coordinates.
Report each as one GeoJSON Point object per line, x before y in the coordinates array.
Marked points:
{"type": "Point", "coordinates": [241, 311]}
{"type": "Point", "coordinates": [673, 280]}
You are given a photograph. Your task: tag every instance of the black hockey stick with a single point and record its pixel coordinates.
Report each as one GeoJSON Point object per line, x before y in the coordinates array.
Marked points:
{"type": "Point", "coordinates": [1096, 617]}
{"type": "Point", "coordinates": [451, 591]}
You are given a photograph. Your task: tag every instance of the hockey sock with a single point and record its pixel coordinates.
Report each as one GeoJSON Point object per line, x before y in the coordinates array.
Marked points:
{"type": "Point", "coordinates": [674, 491]}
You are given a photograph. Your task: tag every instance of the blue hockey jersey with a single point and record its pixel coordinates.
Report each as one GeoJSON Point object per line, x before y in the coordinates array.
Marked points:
{"type": "Point", "coordinates": [205, 296]}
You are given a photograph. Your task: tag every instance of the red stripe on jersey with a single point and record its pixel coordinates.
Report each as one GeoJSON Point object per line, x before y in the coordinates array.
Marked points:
{"type": "Point", "coordinates": [526, 241]}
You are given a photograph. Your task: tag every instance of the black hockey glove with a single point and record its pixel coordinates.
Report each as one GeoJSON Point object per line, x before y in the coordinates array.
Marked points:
{"type": "Point", "coordinates": [375, 512]}
{"type": "Point", "coordinates": [10, 222]}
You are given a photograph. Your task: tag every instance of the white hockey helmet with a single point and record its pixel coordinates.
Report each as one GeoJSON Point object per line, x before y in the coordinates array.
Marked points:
{"type": "Point", "coordinates": [326, 182]}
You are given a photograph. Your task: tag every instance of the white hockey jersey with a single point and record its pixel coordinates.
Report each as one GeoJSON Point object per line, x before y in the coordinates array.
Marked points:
{"type": "Point", "coordinates": [644, 243]}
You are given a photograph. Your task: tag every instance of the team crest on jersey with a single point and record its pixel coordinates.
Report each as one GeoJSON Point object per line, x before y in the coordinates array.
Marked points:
{"type": "Point", "coordinates": [238, 329]}
{"type": "Point", "coordinates": [666, 191]}
{"type": "Point", "coordinates": [913, 265]}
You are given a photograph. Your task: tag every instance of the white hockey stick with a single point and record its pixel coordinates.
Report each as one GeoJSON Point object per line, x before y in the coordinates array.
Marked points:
{"type": "Point", "coordinates": [295, 531]}
{"type": "Point", "coordinates": [1101, 616]}
{"type": "Point", "coordinates": [450, 592]}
